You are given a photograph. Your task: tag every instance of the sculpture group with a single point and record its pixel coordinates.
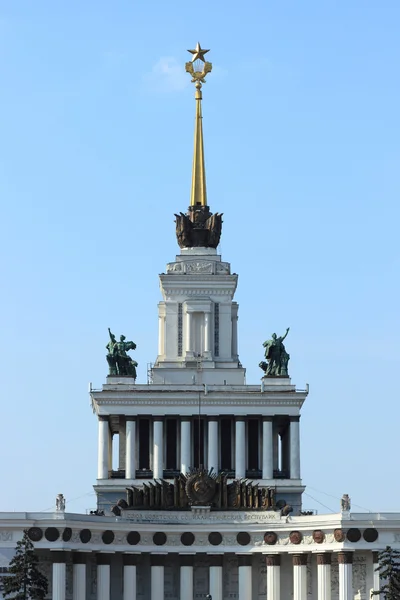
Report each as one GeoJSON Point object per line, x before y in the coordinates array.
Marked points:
{"type": "Point", "coordinates": [119, 362]}
{"type": "Point", "coordinates": [276, 356]}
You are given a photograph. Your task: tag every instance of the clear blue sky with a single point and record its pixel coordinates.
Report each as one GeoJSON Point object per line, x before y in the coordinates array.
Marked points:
{"type": "Point", "coordinates": [301, 125]}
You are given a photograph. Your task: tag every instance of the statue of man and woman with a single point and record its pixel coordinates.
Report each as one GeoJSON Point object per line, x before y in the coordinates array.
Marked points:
{"type": "Point", "coordinates": [119, 362]}
{"type": "Point", "coordinates": [277, 357]}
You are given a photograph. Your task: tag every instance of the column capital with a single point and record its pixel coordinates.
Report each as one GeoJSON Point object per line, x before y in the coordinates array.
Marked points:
{"type": "Point", "coordinates": [80, 558]}
{"type": "Point", "coordinates": [300, 560]}
{"type": "Point", "coordinates": [294, 418]}
{"type": "Point", "coordinates": [245, 560]}
{"type": "Point", "coordinates": [103, 418]}
{"type": "Point", "coordinates": [267, 418]}
{"type": "Point", "coordinates": [345, 558]}
{"type": "Point", "coordinates": [216, 560]}
{"type": "Point", "coordinates": [129, 560]}
{"type": "Point", "coordinates": [104, 558]}
{"type": "Point", "coordinates": [375, 557]}
{"type": "Point", "coordinates": [240, 418]}
{"type": "Point", "coordinates": [212, 418]}
{"type": "Point", "coordinates": [59, 556]}
{"type": "Point", "coordinates": [324, 558]}
{"type": "Point", "coordinates": [186, 560]}
{"type": "Point", "coordinates": [157, 560]}
{"type": "Point", "coordinates": [130, 418]}
{"type": "Point", "coordinates": [273, 560]}
{"type": "Point", "coordinates": [158, 418]}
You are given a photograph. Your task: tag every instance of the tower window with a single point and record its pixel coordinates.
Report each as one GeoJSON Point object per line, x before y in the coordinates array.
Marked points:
{"type": "Point", "coordinates": [252, 447]}
{"type": "Point", "coordinates": [144, 444]}
{"type": "Point", "coordinates": [180, 321]}
{"type": "Point", "coordinates": [171, 457]}
{"type": "Point", "coordinates": [226, 444]}
{"type": "Point", "coordinates": [216, 329]}
{"type": "Point", "coordinates": [198, 442]}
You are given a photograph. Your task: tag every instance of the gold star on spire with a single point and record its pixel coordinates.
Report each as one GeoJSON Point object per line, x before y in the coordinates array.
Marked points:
{"type": "Point", "coordinates": [198, 53]}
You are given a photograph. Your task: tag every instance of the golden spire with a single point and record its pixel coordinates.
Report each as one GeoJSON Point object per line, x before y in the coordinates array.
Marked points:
{"type": "Point", "coordinates": [198, 68]}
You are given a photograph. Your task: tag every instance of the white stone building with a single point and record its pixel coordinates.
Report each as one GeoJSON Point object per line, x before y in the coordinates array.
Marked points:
{"type": "Point", "coordinates": [207, 498]}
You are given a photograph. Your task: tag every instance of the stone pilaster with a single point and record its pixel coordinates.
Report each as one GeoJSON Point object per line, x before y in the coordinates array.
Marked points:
{"type": "Point", "coordinates": [375, 573]}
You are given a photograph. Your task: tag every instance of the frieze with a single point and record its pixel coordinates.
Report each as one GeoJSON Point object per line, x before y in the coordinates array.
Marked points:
{"type": "Point", "coordinates": [188, 517]}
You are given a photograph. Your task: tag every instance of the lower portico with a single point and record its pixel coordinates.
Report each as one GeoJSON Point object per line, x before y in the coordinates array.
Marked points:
{"type": "Point", "coordinates": [242, 556]}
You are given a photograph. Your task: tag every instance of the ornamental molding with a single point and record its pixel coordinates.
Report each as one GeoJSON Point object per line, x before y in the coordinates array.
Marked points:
{"type": "Point", "coordinates": [195, 402]}
{"type": "Point", "coordinates": [198, 267]}
{"type": "Point", "coordinates": [217, 517]}
{"type": "Point", "coordinates": [198, 291]}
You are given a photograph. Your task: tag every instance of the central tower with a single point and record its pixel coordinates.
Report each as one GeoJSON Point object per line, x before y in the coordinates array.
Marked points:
{"type": "Point", "coordinates": [198, 340]}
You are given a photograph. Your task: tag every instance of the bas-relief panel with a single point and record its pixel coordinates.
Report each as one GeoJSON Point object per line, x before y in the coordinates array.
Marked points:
{"type": "Point", "coordinates": [260, 567]}
{"type": "Point", "coordinates": [230, 578]}
{"type": "Point", "coordinates": [171, 578]}
{"type": "Point", "coordinates": [334, 578]}
{"type": "Point", "coordinates": [201, 577]}
{"type": "Point", "coordinates": [360, 576]}
{"type": "Point", "coordinates": [143, 577]}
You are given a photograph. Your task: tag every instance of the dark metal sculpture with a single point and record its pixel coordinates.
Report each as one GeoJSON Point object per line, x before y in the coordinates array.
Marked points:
{"type": "Point", "coordinates": [119, 362]}
{"type": "Point", "coordinates": [198, 488]}
{"type": "Point", "coordinates": [199, 227]}
{"type": "Point", "coordinates": [277, 357]}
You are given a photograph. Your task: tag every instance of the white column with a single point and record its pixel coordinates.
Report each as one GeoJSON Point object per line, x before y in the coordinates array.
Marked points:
{"type": "Point", "coordinates": [79, 576]}
{"type": "Point", "coordinates": [59, 570]}
{"type": "Point", "coordinates": [157, 576]}
{"type": "Point", "coordinates": [294, 448]}
{"type": "Point", "coordinates": [273, 577]}
{"type": "Point", "coordinates": [234, 330]}
{"type": "Point", "coordinates": [189, 341]}
{"type": "Point", "coordinates": [129, 562]}
{"type": "Point", "coordinates": [240, 449]}
{"type": "Point", "coordinates": [186, 561]}
{"type": "Point", "coordinates": [185, 445]}
{"type": "Point", "coordinates": [375, 574]}
{"type": "Point", "coordinates": [245, 577]}
{"type": "Point", "coordinates": [103, 577]}
{"type": "Point", "coordinates": [213, 444]}
{"type": "Point", "coordinates": [216, 577]}
{"type": "Point", "coordinates": [324, 576]}
{"type": "Point", "coordinates": [158, 447]}
{"type": "Point", "coordinates": [103, 449]}
{"type": "Point", "coordinates": [207, 334]}
{"type": "Point", "coordinates": [267, 453]}
{"type": "Point", "coordinates": [300, 577]}
{"type": "Point", "coordinates": [345, 560]}
{"type": "Point", "coordinates": [130, 457]}
{"type": "Point", "coordinates": [161, 323]}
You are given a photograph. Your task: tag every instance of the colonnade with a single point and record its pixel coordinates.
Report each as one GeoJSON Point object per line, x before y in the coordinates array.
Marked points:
{"type": "Point", "coordinates": [268, 446]}
{"type": "Point", "coordinates": [157, 562]}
